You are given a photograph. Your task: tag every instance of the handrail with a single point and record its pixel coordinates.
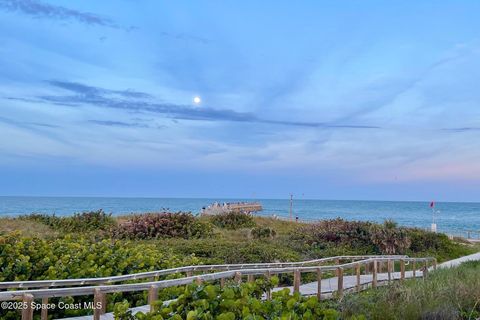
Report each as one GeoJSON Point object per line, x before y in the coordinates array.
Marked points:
{"type": "Point", "coordinates": [164, 272]}
{"type": "Point", "coordinates": [132, 287]}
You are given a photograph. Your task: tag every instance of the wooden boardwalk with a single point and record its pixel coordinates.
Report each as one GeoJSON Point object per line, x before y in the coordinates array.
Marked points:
{"type": "Point", "coordinates": [335, 276]}
{"type": "Point", "coordinates": [330, 285]}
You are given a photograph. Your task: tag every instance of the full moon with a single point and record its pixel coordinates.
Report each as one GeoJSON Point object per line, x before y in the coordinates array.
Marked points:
{"type": "Point", "coordinates": [197, 100]}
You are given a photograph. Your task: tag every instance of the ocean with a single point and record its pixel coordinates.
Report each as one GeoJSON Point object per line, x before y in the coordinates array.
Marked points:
{"type": "Point", "coordinates": [450, 216]}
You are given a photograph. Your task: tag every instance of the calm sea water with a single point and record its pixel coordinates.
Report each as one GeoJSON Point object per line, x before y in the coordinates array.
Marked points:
{"type": "Point", "coordinates": [450, 216]}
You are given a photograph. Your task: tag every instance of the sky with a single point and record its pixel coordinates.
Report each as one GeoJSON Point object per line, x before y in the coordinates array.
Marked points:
{"type": "Point", "coordinates": [369, 100]}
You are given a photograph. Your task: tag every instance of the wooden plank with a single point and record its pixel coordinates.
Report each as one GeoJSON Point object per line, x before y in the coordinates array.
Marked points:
{"type": "Point", "coordinates": [27, 311]}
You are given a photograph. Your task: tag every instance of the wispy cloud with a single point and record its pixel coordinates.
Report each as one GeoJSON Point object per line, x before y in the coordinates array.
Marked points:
{"type": "Point", "coordinates": [118, 124]}
{"type": "Point", "coordinates": [462, 129]}
{"type": "Point", "coordinates": [388, 94]}
{"type": "Point", "coordinates": [129, 100]}
{"type": "Point", "coordinates": [43, 10]}
{"type": "Point", "coordinates": [185, 37]}
{"type": "Point", "coordinates": [96, 91]}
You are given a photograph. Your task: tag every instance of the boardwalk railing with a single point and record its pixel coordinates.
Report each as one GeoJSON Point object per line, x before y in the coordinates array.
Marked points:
{"type": "Point", "coordinates": [472, 235]}
{"type": "Point", "coordinates": [371, 265]}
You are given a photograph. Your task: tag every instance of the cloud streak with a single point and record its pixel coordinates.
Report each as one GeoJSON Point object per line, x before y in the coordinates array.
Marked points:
{"type": "Point", "coordinates": [42, 10]}
{"type": "Point", "coordinates": [133, 101]}
{"type": "Point", "coordinates": [109, 123]}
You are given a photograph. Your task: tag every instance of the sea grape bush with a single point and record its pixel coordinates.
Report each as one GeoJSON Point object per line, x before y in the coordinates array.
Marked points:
{"type": "Point", "coordinates": [209, 302]}
{"type": "Point", "coordinates": [23, 258]}
{"type": "Point", "coordinates": [163, 225]}
{"type": "Point", "coordinates": [79, 222]}
{"type": "Point", "coordinates": [233, 220]}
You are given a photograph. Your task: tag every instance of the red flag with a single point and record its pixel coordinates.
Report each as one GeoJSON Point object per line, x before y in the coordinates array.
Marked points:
{"type": "Point", "coordinates": [432, 204]}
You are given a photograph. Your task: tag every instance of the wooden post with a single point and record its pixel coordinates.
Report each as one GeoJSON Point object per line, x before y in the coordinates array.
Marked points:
{"type": "Point", "coordinates": [357, 271]}
{"type": "Point", "coordinates": [152, 297]}
{"type": "Point", "coordinates": [425, 271]}
{"type": "Point", "coordinates": [238, 277]}
{"type": "Point", "coordinates": [402, 270]}
{"type": "Point", "coordinates": [434, 264]}
{"type": "Point", "coordinates": [319, 284]}
{"type": "Point", "coordinates": [414, 267]}
{"type": "Point", "coordinates": [250, 278]}
{"type": "Point", "coordinates": [374, 274]}
{"type": "Point", "coordinates": [367, 268]}
{"type": "Point", "coordinates": [222, 282]}
{"type": "Point", "coordinates": [44, 312]}
{"type": "Point", "coordinates": [296, 280]}
{"type": "Point", "coordinates": [389, 270]}
{"type": "Point", "coordinates": [98, 300]}
{"type": "Point", "coordinates": [27, 312]}
{"type": "Point", "coordinates": [340, 283]}
{"type": "Point", "coordinates": [189, 273]}
{"type": "Point", "coordinates": [337, 262]}
{"type": "Point", "coordinates": [269, 292]}
{"type": "Point", "coordinates": [198, 281]}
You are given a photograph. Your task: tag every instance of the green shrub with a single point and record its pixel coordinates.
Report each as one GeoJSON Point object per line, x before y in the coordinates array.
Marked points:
{"type": "Point", "coordinates": [263, 232]}
{"type": "Point", "coordinates": [338, 231]}
{"type": "Point", "coordinates": [79, 222]}
{"type": "Point", "coordinates": [233, 220]}
{"type": "Point", "coordinates": [389, 239]}
{"type": "Point", "coordinates": [219, 251]}
{"type": "Point", "coordinates": [163, 225]}
{"type": "Point", "coordinates": [425, 243]}
{"type": "Point", "coordinates": [23, 258]}
{"type": "Point", "coordinates": [234, 302]}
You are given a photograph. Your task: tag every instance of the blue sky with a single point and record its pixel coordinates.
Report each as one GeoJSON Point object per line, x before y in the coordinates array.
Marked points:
{"type": "Point", "coordinates": [325, 99]}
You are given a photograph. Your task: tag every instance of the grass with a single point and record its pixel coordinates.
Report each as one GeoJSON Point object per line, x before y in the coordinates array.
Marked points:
{"type": "Point", "coordinates": [26, 228]}
{"type": "Point", "coordinates": [447, 294]}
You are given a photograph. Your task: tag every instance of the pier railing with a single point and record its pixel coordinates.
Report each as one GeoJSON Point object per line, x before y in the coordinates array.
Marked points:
{"type": "Point", "coordinates": [369, 265]}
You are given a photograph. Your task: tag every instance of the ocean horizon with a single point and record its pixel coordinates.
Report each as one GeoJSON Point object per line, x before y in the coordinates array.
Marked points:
{"type": "Point", "coordinates": [449, 216]}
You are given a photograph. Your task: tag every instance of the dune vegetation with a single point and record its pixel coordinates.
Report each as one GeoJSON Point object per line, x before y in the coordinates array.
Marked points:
{"type": "Point", "coordinates": [95, 244]}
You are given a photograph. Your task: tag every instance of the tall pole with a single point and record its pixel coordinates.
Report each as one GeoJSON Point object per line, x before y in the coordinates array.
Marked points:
{"type": "Point", "coordinates": [291, 207]}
